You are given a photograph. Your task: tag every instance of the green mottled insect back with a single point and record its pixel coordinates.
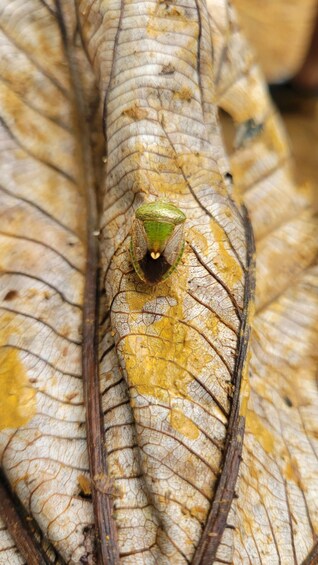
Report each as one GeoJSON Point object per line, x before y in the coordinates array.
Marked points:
{"type": "Point", "coordinates": [157, 240]}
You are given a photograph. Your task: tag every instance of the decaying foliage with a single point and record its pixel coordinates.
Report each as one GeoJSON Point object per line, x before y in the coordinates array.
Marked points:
{"type": "Point", "coordinates": [275, 516]}
{"type": "Point", "coordinates": [164, 440]}
{"type": "Point", "coordinates": [280, 33]}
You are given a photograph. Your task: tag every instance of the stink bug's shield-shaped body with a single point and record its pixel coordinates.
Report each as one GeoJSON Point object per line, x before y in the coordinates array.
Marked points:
{"type": "Point", "coordinates": [157, 240]}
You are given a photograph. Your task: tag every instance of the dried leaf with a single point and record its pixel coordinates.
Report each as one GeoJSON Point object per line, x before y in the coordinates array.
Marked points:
{"type": "Point", "coordinates": [43, 254]}
{"type": "Point", "coordinates": [280, 33]}
{"type": "Point", "coordinates": [181, 344]}
{"type": "Point", "coordinates": [276, 514]}
{"type": "Point", "coordinates": [173, 358]}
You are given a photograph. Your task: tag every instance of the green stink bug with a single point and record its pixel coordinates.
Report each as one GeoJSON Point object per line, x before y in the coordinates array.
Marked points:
{"type": "Point", "coordinates": [157, 240]}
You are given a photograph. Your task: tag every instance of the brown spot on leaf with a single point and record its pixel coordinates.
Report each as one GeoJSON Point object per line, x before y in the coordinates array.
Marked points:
{"type": "Point", "coordinates": [70, 396]}
{"type": "Point", "coordinates": [287, 401]}
{"type": "Point", "coordinates": [174, 12]}
{"type": "Point", "coordinates": [199, 512]}
{"type": "Point", "coordinates": [31, 293]}
{"type": "Point", "coordinates": [11, 295]}
{"type": "Point", "coordinates": [183, 94]}
{"type": "Point", "coordinates": [65, 330]}
{"type": "Point", "coordinates": [167, 69]}
{"type": "Point", "coordinates": [135, 113]}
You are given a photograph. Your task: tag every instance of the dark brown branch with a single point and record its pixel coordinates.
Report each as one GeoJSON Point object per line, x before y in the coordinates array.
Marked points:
{"type": "Point", "coordinates": [106, 537]}
{"type": "Point", "coordinates": [21, 527]}
{"type": "Point", "coordinates": [216, 522]}
{"type": "Point", "coordinates": [312, 557]}
{"type": "Point", "coordinates": [102, 500]}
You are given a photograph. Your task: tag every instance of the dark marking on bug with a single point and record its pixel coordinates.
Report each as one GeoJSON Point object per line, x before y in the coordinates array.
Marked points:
{"type": "Point", "coordinates": [154, 269]}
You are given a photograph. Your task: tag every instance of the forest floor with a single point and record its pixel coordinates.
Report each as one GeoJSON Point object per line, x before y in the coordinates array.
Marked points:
{"type": "Point", "coordinates": [302, 127]}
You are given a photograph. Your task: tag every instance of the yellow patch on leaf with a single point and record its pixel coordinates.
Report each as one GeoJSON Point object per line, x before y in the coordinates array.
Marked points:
{"type": "Point", "coordinates": [183, 425]}
{"type": "Point", "coordinates": [183, 94]}
{"type": "Point", "coordinates": [227, 265]}
{"type": "Point", "coordinates": [213, 324]}
{"type": "Point", "coordinates": [199, 512]}
{"type": "Point", "coordinates": [256, 427]}
{"type": "Point", "coordinates": [245, 385]}
{"type": "Point", "coordinates": [84, 484]}
{"type": "Point", "coordinates": [151, 367]}
{"type": "Point", "coordinates": [18, 397]}
{"type": "Point", "coordinates": [161, 362]}
{"type": "Point", "coordinates": [291, 471]}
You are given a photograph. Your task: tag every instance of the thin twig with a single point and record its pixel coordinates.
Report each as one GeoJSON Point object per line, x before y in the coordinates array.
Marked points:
{"type": "Point", "coordinates": [20, 527]}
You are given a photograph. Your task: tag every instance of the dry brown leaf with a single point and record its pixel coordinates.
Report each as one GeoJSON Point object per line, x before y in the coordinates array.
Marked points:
{"type": "Point", "coordinates": [170, 354]}
{"type": "Point", "coordinates": [276, 513]}
{"type": "Point", "coordinates": [280, 32]}
{"type": "Point", "coordinates": [181, 344]}
{"type": "Point", "coordinates": [43, 254]}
